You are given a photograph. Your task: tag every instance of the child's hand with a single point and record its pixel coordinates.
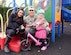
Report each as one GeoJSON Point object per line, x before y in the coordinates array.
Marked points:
{"type": "Point", "coordinates": [38, 23]}
{"type": "Point", "coordinates": [48, 28]}
{"type": "Point", "coordinates": [29, 25]}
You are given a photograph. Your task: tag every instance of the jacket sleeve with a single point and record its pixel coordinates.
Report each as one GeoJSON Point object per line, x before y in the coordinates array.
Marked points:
{"type": "Point", "coordinates": [11, 22]}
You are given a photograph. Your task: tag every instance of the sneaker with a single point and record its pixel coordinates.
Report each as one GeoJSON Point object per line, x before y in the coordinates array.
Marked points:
{"type": "Point", "coordinates": [44, 48]}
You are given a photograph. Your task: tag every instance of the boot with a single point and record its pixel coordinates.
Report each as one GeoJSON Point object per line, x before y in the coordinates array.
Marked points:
{"type": "Point", "coordinates": [6, 49]}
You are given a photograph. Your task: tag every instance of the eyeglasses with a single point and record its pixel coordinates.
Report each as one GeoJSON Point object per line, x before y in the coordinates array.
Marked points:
{"type": "Point", "coordinates": [31, 10]}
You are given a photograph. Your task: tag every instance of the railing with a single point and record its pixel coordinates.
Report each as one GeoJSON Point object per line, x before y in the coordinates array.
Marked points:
{"type": "Point", "coordinates": [2, 26]}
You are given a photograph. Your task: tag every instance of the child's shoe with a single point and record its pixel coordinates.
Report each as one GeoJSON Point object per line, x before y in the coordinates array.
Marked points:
{"type": "Point", "coordinates": [44, 48]}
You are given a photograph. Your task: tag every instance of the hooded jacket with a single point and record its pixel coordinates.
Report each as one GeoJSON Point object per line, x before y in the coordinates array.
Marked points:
{"type": "Point", "coordinates": [15, 22]}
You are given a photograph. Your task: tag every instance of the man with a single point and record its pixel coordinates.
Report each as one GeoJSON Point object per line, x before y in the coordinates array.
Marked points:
{"type": "Point", "coordinates": [30, 19]}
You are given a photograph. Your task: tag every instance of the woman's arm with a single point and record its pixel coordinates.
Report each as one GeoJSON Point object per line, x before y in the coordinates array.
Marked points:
{"type": "Point", "coordinates": [12, 22]}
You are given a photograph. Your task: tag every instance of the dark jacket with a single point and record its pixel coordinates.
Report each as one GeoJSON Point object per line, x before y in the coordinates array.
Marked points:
{"type": "Point", "coordinates": [15, 22]}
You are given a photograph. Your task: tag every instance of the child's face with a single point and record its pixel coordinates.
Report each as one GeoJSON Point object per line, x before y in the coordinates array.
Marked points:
{"type": "Point", "coordinates": [40, 16]}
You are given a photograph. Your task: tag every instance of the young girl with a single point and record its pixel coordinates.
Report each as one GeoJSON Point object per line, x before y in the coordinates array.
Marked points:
{"type": "Point", "coordinates": [40, 24]}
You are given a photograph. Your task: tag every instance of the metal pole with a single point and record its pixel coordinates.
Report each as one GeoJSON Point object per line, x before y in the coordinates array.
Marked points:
{"type": "Point", "coordinates": [14, 5]}
{"type": "Point", "coordinates": [40, 4]}
{"type": "Point", "coordinates": [30, 2]}
{"type": "Point", "coordinates": [59, 30]}
{"type": "Point", "coordinates": [62, 25]}
{"type": "Point", "coordinates": [25, 6]}
{"type": "Point", "coordinates": [25, 2]}
{"type": "Point", "coordinates": [9, 5]}
{"type": "Point", "coordinates": [53, 21]}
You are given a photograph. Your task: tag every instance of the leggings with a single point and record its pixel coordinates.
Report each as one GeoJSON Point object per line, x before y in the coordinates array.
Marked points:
{"type": "Point", "coordinates": [44, 42]}
{"type": "Point", "coordinates": [10, 32]}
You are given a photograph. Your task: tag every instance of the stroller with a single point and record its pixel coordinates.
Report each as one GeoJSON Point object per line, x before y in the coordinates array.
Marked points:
{"type": "Point", "coordinates": [26, 43]}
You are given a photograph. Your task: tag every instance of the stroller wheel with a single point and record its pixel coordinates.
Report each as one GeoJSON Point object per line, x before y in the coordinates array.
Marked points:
{"type": "Point", "coordinates": [24, 45]}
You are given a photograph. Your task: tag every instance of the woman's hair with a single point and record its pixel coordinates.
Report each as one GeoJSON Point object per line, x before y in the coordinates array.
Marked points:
{"type": "Point", "coordinates": [17, 13]}
{"type": "Point", "coordinates": [20, 9]}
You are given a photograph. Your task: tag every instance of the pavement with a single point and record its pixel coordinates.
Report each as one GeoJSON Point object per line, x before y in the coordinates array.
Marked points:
{"type": "Point", "coordinates": [62, 45]}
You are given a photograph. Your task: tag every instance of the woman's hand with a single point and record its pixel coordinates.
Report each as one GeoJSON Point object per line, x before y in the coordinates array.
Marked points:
{"type": "Point", "coordinates": [22, 27]}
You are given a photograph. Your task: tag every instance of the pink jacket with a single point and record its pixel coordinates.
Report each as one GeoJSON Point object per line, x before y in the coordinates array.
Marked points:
{"type": "Point", "coordinates": [39, 23]}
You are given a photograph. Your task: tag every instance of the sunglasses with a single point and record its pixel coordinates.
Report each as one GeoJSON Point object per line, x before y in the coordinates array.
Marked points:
{"type": "Point", "coordinates": [31, 10]}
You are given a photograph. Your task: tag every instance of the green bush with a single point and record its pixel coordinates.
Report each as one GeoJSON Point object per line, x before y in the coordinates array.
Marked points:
{"type": "Point", "coordinates": [3, 11]}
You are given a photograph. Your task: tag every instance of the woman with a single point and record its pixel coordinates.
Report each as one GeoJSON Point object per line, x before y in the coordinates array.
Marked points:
{"type": "Point", "coordinates": [15, 25]}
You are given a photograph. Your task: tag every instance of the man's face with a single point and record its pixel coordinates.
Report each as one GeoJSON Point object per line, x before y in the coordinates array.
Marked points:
{"type": "Point", "coordinates": [20, 13]}
{"type": "Point", "coordinates": [31, 13]}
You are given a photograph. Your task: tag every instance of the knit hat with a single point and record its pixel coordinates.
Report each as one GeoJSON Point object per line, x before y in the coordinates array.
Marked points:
{"type": "Point", "coordinates": [40, 11]}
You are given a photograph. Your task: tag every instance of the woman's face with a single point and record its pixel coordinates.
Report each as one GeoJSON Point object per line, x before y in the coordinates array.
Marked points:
{"type": "Point", "coordinates": [20, 13]}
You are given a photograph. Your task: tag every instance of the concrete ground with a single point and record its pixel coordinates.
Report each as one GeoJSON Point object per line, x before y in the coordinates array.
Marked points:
{"type": "Point", "coordinates": [62, 46]}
